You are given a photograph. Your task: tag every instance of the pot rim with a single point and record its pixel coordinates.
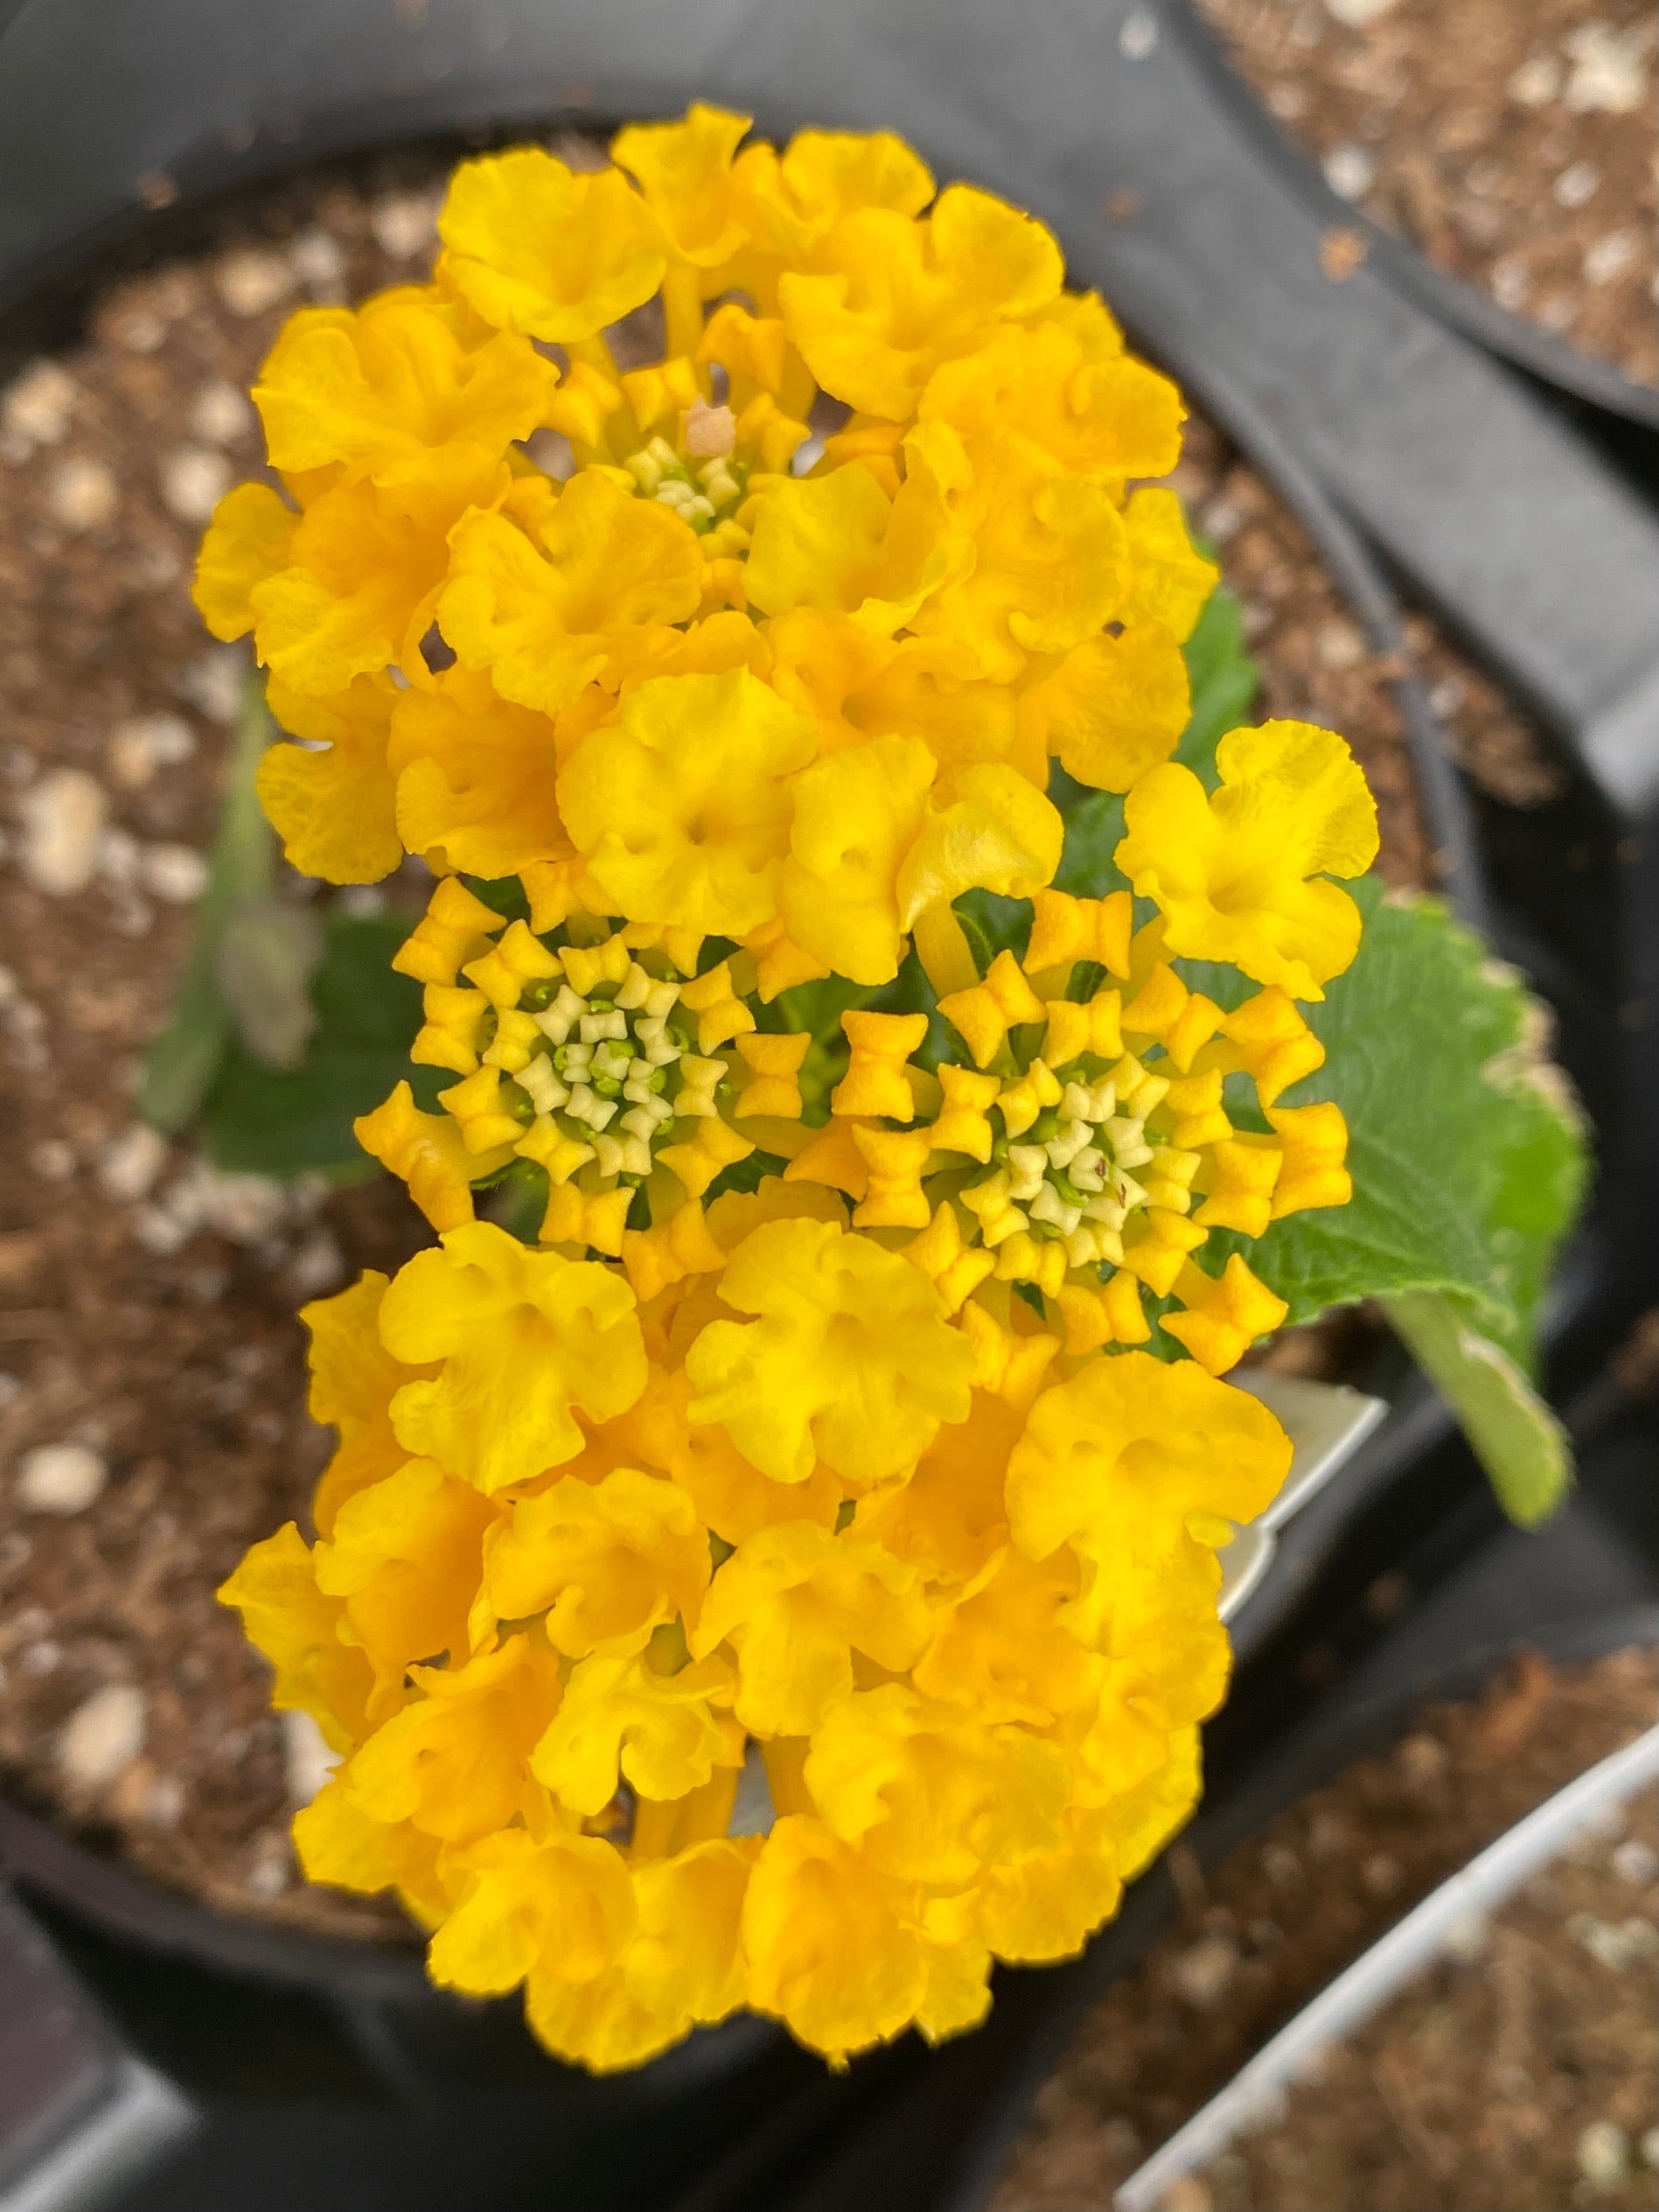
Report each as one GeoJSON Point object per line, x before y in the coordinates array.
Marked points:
{"type": "Point", "coordinates": [1454, 299]}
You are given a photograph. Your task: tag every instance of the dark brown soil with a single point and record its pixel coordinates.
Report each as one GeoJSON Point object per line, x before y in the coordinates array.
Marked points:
{"type": "Point", "coordinates": [173, 1353]}
{"type": "Point", "coordinates": [162, 1338]}
{"type": "Point", "coordinates": [1512, 141]}
{"type": "Point", "coordinates": [1260, 1936]}
{"type": "Point", "coordinates": [1544, 2023]}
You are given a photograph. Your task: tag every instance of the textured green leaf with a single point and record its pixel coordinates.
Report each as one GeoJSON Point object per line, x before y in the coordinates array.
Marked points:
{"type": "Point", "coordinates": [1513, 1434]}
{"type": "Point", "coordinates": [285, 1122]}
{"type": "Point", "coordinates": [1466, 1152]}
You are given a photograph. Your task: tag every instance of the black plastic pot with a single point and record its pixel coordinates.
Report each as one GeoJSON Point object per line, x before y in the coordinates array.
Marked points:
{"type": "Point", "coordinates": [1463, 306]}
{"type": "Point", "coordinates": [102, 111]}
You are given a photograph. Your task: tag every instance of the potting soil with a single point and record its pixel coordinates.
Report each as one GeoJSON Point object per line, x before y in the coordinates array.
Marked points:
{"type": "Point", "coordinates": [1511, 141]}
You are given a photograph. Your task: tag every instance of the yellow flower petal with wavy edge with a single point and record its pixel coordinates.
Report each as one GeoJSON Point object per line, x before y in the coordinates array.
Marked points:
{"type": "Point", "coordinates": [540, 249]}
{"type": "Point", "coordinates": [1005, 1652]}
{"type": "Point", "coordinates": [998, 835]}
{"type": "Point", "coordinates": [684, 169]}
{"type": "Point", "coordinates": [296, 1626]}
{"type": "Point", "coordinates": [828, 1952]}
{"type": "Point", "coordinates": [335, 810]}
{"type": "Point", "coordinates": [1230, 869]}
{"type": "Point", "coordinates": [1113, 708]}
{"type": "Point", "coordinates": [249, 538]}
{"type": "Point", "coordinates": [796, 1602]}
{"type": "Point", "coordinates": [904, 295]}
{"type": "Point", "coordinates": [1034, 389]}
{"type": "Point", "coordinates": [1168, 580]}
{"type": "Point", "coordinates": [563, 1904]}
{"type": "Point", "coordinates": [366, 564]}
{"type": "Point", "coordinates": [406, 1556]}
{"type": "Point", "coordinates": [661, 1733]}
{"type": "Point", "coordinates": [1131, 1441]}
{"type": "Point", "coordinates": [928, 1792]}
{"type": "Point", "coordinates": [608, 1561]}
{"type": "Point", "coordinates": [1047, 1905]}
{"type": "Point", "coordinates": [353, 1381]}
{"type": "Point", "coordinates": [682, 810]}
{"type": "Point", "coordinates": [455, 1763]}
{"type": "Point", "coordinates": [948, 1519]}
{"type": "Point", "coordinates": [475, 777]}
{"type": "Point", "coordinates": [1144, 1818]}
{"type": "Point", "coordinates": [851, 1360]}
{"type": "Point", "coordinates": [837, 542]}
{"type": "Point", "coordinates": [523, 1338]}
{"type": "Point", "coordinates": [795, 198]}
{"type": "Point", "coordinates": [1049, 554]}
{"type": "Point", "coordinates": [931, 688]}
{"type": "Point", "coordinates": [375, 385]}
{"type": "Point", "coordinates": [545, 616]}
{"type": "Point", "coordinates": [858, 815]}
{"type": "Point", "coordinates": [684, 1965]}
{"type": "Point", "coordinates": [336, 1842]}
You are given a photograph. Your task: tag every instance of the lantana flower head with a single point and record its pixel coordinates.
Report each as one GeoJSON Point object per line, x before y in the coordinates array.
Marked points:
{"type": "Point", "coordinates": [770, 1556]}
{"type": "Point", "coordinates": [506, 558]}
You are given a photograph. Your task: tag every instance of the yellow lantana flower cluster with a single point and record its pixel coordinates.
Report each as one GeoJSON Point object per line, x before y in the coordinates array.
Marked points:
{"type": "Point", "coordinates": [735, 1646]}
{"type": "Point", "coordinates": [714, 687]}
{"type": "Point", "coordinates": [770, 1576]}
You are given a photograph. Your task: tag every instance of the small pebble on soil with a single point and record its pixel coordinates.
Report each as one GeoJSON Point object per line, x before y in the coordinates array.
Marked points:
{"type": "Point", "coordinates": [61, 1478]}
{"type": "Point", "coordinates": [63, 821]}
{"type": "Point", "coordinates": [101, 1737]}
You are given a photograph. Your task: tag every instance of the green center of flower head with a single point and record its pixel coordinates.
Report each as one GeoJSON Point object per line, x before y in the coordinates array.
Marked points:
{"type": "Point", "coordinates": [1068, 1173]}
{"type": "Point", "coordinates": [703, 481]}
{"type": "Point", "coordinates": [614, 1069]}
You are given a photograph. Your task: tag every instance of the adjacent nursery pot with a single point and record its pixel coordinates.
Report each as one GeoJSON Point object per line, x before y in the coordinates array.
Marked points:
{"type": "Point", "coordinates": [1466, 307]}
{"type": "Point", "coordinates": [197, 1985]}
{"type": "Point", "coordinates": [1450, 1921]}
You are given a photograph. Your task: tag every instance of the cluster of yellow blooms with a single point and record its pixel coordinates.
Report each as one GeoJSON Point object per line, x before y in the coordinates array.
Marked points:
{"type": "Point", "coordinates": [759, 1584]}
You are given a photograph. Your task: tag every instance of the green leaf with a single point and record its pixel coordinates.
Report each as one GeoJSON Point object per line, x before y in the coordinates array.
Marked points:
{"type": "Point", "coordinates": [1467, 1151]}
{"type": "Point", "coordinates": [1513, 1434]}
{"type": "Point", "coordinates": [268, 955]}
{"type": "Point", "coordinates": [1224, 681]}
{"type": "Point", "coordinates": [179, 1067]}
{"type": "Point", "coordinates": [284, 1122]}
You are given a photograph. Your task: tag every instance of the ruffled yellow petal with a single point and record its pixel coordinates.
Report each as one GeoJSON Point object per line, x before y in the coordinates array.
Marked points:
{"type": "Point", "coordinates": [795, 1602]}
{"type": "Point", "coordinates": [1237, 873]}
{"type": "Point", "coordinates": [850, 1360]}
{"type": "Point", "coordinates": [334, 810]}
{"type": "Point", "coordinates": [545, 613]}
{"type": "Point", "coordinates": [249, 538]}
{"type": "Point", "coordinates": [400, 373]}
{"type": "Point", "coordinates": [682, 810]}
{"type": "Point", "coordinates": [900, 296]}
{"type": "Point", "coordinates": [538, 249]}
{"type": "Point", "coordinates": [607, 1561]}
{"type": "Point", "coordinates": [522, 1338]}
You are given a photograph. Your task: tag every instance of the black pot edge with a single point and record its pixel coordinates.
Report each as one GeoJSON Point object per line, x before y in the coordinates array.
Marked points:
{"type": "Point", "coordinates": [1315, 1757]}
{"type": "Point", "coordinates": [1463, 305]}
